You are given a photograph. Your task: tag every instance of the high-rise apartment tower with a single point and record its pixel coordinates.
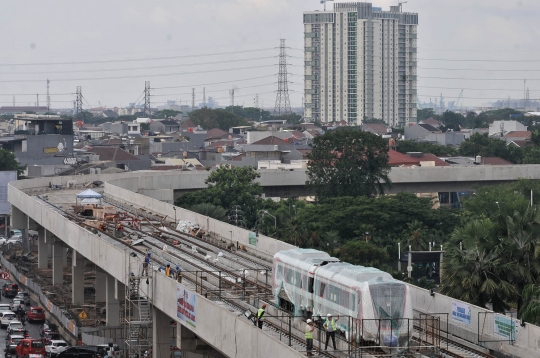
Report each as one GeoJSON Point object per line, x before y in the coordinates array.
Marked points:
{"type": "Point", "coordinates": [360, 63]}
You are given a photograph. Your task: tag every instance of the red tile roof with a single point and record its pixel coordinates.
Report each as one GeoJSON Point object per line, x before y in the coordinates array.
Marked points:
{"type": "Point", "coordinates": [271, 140]}
{"type": "Point", "coordinates": [494, 161]}
{"type": "Point", "coordinates": [518, 134]}
{"type": "Point", "coordinates": [188, 124]}
{"type": "Point", "coordinates": [238, 158]}
{"type": "Point", "coordinates": [216, 133]}
{"type": "Point", "coordinates": [396, 159]}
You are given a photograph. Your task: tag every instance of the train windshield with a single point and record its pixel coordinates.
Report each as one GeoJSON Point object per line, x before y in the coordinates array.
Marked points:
{"type": "Point", "coordinates": [388, 300]}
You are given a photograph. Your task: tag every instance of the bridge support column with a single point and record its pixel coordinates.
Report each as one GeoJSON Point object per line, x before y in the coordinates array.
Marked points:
{"type": "Point", "coordinates": [112, 303]}
{"type": "Point", "coordinates": [19, 220]}
{"type": "Point", "coordinates": [77, 277]}
{"type": "Point", "coordinates": [101, 277]}
{"type": "Point", "coordinates": [43, 252]}
{"type": "Point", "coordinates": [57, 264]}
{"type": "Point", "coordinates": [161, 328]}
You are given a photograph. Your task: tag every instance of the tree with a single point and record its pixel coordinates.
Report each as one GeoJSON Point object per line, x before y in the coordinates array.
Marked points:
{"type": "Point", "coordinates": [531, 309]}
{"type": "Point", "coordinates": [348, 162]}
{"type": "Point", "coordinates": [8, 162]}
{"type": "Point", "coordinates": [165, 113]}
{"type": "Point", "coordinates": [416, 237]}
{"type": "Point", "coordinates": [359, 252]}
{"type": "Point", "coordinates": [226, 187]}
{"type": "Point", "coordinates": [425, 113]}
{"type": "Point", "coordinates": [213, 211]}
{"type": "Point", "coordinates": [251, 113]}
{"type": "Point", "coordinates": [209, 118]}
{"type": "Point", "coordinates": [481, 144]}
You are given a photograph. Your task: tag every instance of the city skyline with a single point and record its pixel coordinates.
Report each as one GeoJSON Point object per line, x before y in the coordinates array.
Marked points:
{"type": "Point", "coordinates": [459, 42]}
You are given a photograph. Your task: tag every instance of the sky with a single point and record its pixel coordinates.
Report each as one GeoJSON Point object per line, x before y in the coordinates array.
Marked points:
{"type": "Point", "coordinates": [110, 48]}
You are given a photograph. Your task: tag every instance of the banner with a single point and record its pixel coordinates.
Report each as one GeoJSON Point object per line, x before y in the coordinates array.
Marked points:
{"type": "Point", "coordinates": [186, 302]}
{"type": "Point", "coordinates": [461, 312]}
{"type": "Point", "coordinates": [252, 238]}
{"type": "Point", "coordinates": [505, 327]}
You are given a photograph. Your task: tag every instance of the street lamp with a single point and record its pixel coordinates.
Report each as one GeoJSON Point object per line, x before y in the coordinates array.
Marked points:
{"type": "Point", "coordinates": [275, 221]}
{"type": "Point", "coordinates": [174, 208]}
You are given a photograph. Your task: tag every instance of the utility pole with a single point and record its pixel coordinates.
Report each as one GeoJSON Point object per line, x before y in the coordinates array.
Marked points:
{"type": "Point", "coordinates": [192, 99]}
{"type": "Point", "coordinates": [78, 100]}
{"type": "Point", "coordinates": [231, 93]}
{"type": "Point", "coordinates": [48, 97]}
{"type": "Point", "coordinates": [147, 109]}
{"type": "Point", "coordinates": [283, 105]}
{"type": "Point", "coordinates": [256, 102]}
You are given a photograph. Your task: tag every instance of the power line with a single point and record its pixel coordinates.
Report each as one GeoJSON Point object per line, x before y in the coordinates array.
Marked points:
{"type": "Point", "coordinates": [213, 90]}
{"type": "Point", "coordinates": [131, 60]}
{"type": "Point", "coordinates": [477, 89]}
{"type": "Point", "coordinates": [140, 68]}
{"type": "Point", "coordinates": [480, 79]}
{"type": "Point", "coordinates": [474, 69]}
{"type": "Point", "coordinates": [137, 76]}
{"type": "Point", "coordinates": [492, 98]}
{"type": "Point", "coordinates": [458, 60]}
{"type": "Point", "coordinates": [215, 83]}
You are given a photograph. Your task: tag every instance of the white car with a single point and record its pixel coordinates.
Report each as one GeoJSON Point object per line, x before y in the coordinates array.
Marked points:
{"type": "Point", "coordinates": [6, 317]}
{"type": "Point", "coordinates": [55, 346]}
{"type": "Point", "coordinates": [15, 240]}
{"type": "Point", "coordinates": [23, 296]}
{"type": "Point", "coordinates": [5, 307]}
{"type": "Point", "coordinates": [3, 240]}
{"type": "Point", "coordinates": [15, 327]}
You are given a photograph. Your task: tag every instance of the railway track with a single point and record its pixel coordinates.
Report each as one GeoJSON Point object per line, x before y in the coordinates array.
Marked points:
{"type": "Point", "coordinates": [247, 286]}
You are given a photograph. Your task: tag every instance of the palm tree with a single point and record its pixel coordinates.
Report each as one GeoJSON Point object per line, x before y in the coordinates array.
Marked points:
{"type": "Point", "coordinates": [530, 311]}
{"type": "Point", "coordinates": [213, 211]}
{"type": "Point", "coordinates": [416, 238]}
{"type": "Point", "coordinates": [480, 272]}
{"type": "Point", "coordinates": [295, 232]}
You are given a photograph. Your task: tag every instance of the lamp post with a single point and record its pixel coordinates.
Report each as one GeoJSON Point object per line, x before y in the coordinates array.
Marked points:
{"type": "Point", "coordinates": [174, 208]}
{"type": "Point", "coordinates": [275, 221]}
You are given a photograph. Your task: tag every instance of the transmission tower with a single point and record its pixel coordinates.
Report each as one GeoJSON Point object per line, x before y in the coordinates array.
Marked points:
{"type": "Point", "coordinates": [147, 109]}
{"type": "Point", "coordinates": [78, 100]}
{"type": "Point", "coordinates": [192, 99]}
{"type": "Point", "coordinates": [237, 216]}
{"type": "Point", "coordinates": [231, 93]}
{"type": "Point", "coordinates": [48, 97]}
{"type": "Point", "coordinates": [283, 105]}
{"type": "Point", "coordinates": [204, 97]}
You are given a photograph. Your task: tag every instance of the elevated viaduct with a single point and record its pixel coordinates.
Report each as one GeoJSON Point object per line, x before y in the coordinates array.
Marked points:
{"type": "Point", "coordinates": [221, 326]}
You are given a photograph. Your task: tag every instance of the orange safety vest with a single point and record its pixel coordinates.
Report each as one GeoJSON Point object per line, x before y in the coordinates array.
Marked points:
{"type": "Point", "coordinates": [168, 271]}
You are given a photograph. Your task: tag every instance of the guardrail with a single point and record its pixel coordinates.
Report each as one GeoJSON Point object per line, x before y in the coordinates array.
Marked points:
{"type": "Point", "coordinates": [47, 304]}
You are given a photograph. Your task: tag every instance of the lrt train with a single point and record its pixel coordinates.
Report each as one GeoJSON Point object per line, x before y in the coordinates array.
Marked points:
{"type": "Point", "coordinates": [375, 307]}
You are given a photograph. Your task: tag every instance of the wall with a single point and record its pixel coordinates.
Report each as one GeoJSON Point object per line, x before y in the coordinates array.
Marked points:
{"type": "Point", "coordinates": [36, 143]}
{"type": "Point", "coordinates": [527, 338]}
{"type": "Point", "coordinates": [227, 331]}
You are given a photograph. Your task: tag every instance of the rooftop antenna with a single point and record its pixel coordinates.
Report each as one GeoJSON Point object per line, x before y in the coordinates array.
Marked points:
{"type": "Point", "coordinates": [324, 2]}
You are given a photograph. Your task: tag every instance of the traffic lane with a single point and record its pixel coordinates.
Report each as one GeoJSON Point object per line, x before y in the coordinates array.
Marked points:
{"type": "Point", "coordinates": [32, 328]}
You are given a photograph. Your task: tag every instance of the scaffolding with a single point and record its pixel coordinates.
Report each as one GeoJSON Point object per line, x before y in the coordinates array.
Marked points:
{"type": "Point", "coordinates": [138, 308]}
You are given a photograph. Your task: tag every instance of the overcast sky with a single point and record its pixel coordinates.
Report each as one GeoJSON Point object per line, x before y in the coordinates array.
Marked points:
{"type": "Point", "coordinates": [224, 44]}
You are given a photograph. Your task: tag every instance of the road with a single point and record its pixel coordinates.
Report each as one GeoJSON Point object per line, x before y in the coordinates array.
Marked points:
{"type": "Point", "coordinates": [32, 328]}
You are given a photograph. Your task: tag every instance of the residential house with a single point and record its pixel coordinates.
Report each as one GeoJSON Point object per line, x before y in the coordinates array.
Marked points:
{"type": "Point", "coordinates": [501, 128]}
{"type": "Point", "coordinates": [376, 128]}
{"type": "Point", "coordinates": [448, 138]}
{"type": "Point", "coordinates": [121, 158]}
{"type": "Point", "coordinates": [417, 131]}
{"type": "Point", "coordinates": [214, 135]}
{"type": "Point", "coordinates": [432, 122]}
{"type": "Point", "coordinates": [519, 136]}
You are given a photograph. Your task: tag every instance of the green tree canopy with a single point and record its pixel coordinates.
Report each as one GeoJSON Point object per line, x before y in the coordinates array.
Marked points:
{"type": "Point", "coordinates": [348, 162]}
{"type": "Point", "coordinates": [213, 211]}
{"type": "Point", "coordinates": [226, 187]}
{"type": "Point", "coordinates": [165, 113]}
{"type": "Point", "coordinates": [481, 144]}
{"type": "Point", "coordinates": [251, 113]}
{"type": "Point", "coordinates": [209, 118]}
{"type": "Point", "coordinates": [8, 162]}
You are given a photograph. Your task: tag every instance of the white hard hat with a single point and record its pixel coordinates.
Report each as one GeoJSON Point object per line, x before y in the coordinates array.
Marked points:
{"type": "Point", "coordinates": [309, 321]}
{"type": "Point", "coordinates": [329, 315]}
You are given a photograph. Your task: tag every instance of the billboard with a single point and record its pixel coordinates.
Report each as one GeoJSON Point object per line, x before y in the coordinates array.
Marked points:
{"type": "Point", "coordinates": [505, 327]}
{"type": "Point", "coordinates": [461, 312]}
{"type": "Point", "coordinates": [186, 306]}
{"type": "Point", "coordinates": [5, 178]}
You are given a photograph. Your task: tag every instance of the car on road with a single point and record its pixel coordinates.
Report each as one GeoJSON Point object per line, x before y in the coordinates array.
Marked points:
{"type": "Point", "coordinates": [10, 351]}
{"type": "Point", "coordinates": [29, 346]}
{"type": "Point", "coordinates": [3, 240]}
{"type": "Point", "coordinates": [14, 338]}
{"type": "Point", "coordinates": [15, 327]}
{"type": "Point", "coordinates": [55, 346]}
{"type": "Point", "coordinates": [10, 290]}
{"type": "Point", "coordinates": [16, 303]}
{"type": "Point", "coordinates": [24, 296]}
{"type": "Point", "coordinates": [48, 337]}
{"type": "Point", "coordinates": [16, 233]}
{"type": "Point", "coordinates": [35, 314]}
{"type": "Point", "coordinates": [48, 327]}
{"type": "Point", "coordinates": [5, 307]}
{"type": "Point", "coordinates": [80, 352]}
{"type": "Point", "coordinates": [6, 317]}
{"type": "Point", "coordinates": [15, 240]}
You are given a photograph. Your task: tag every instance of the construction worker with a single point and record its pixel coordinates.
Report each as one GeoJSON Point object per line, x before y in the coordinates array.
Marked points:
{"type": "Point", "coordinates": [309, 337]}
{"type": "Point", "coordinates": [168, 270]}
{"type": "Point", "coordinates": [330, 327]}
{"type": "Point", "coordinates": [146, 263]}
{"type": "Point", "coordinates": [178, 274]}
{"type": "Point", "coordinates": [260, 315]}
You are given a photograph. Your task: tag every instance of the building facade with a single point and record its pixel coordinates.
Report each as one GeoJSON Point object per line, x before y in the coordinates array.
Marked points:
{"type": "Point", "coordinates": [360, 62]}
